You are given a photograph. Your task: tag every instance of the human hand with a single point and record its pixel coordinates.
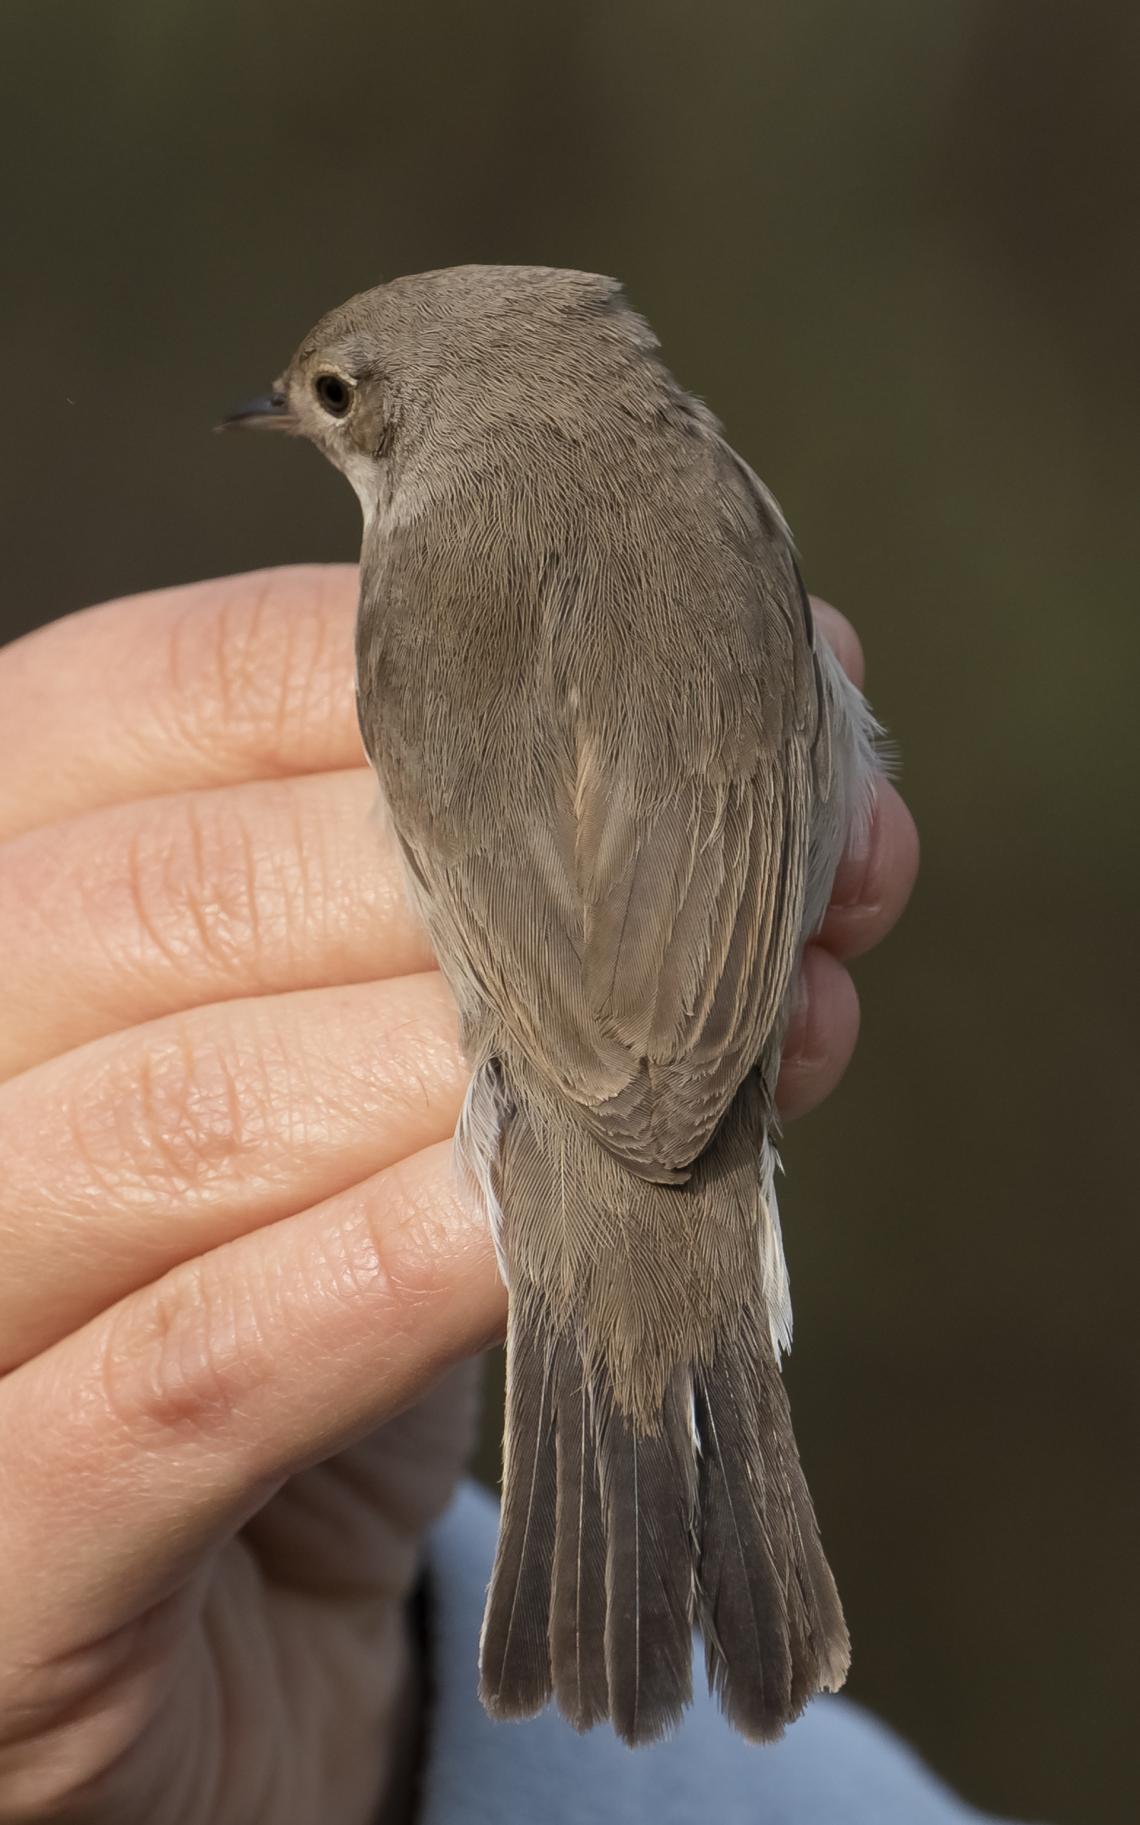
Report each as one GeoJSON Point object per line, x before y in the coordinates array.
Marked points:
{"type": "Point", "coordinates": [235, 1270]}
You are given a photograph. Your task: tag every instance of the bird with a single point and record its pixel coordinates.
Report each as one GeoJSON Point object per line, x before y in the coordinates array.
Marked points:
{"type": "Point", "coordinates": [621, 767]}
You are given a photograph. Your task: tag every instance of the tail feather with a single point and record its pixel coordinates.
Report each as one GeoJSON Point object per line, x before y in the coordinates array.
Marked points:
{"type": "Point", "coordinates": [578, 1610]}
{"type": "Point", "coordinates": [514, 1653]}
{"type": "Point", "coordinates": [649, 1491]}
{"type": "Point", "coordinates": [769, 1611]}
{"type": "Point", "coordinates": [742, 1603]}
{"type": "Point", "coordinates": [820, 1646]}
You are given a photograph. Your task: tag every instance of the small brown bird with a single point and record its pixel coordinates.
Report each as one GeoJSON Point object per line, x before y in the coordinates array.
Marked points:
{"type": "Point", "coordinates": [622, 771]}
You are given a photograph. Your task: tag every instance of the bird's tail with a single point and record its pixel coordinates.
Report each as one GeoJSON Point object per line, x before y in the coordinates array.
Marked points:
{"type": "Point", "coordinates": [651, 1479]}
{"type": "Point", "coordinates": [592, 1595]}
{"type": "Point", "coordinates": [616, 1541]}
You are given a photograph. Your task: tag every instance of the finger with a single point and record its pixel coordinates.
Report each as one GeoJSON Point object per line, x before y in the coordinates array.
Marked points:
{"type": "Point", "coordinates": [841, 638]}
{"type": "Point", "coordinates": [151, 1434]}
{"type": "Point", "coordinates": [144, 1150]}
{"type": "Point", "coordinates": [244, 678]}
{"type": "Point", "coordinates": [874, 881]}
{"type": "Point", "coordinates": [821, 1035]}
{"type": "Point", "coordinates": [145, 909]}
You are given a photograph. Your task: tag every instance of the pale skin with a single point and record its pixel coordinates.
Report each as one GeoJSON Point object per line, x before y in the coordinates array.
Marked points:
{"type": "Point", "coordinates": [238, 1284]}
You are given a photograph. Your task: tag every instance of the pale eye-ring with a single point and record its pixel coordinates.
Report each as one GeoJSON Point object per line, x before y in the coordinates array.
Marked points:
{"type": "Point", "coordinates": [334, 394]}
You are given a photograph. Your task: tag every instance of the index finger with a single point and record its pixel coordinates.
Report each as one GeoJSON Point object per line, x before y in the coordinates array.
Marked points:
{"type": "Point", "coordinates": [214, 683]}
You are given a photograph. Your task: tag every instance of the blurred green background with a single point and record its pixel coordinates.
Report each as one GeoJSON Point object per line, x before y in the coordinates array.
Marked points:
{"type": "Point", "coordinates": [895, 246]}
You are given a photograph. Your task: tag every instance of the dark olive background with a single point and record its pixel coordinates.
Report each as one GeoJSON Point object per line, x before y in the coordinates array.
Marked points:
{"type": "Point", "coordinates": [895, 246]}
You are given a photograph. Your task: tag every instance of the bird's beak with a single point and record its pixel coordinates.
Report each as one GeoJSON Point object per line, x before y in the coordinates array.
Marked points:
{"type": "Point", "coordinates": [269, 413]}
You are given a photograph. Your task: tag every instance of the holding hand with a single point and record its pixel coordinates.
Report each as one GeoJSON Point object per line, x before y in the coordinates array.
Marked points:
{"type": "Point", "coordinates": [232, 1246]}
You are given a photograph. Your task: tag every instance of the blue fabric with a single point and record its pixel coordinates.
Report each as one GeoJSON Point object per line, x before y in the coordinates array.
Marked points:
{"type": "Point", "coordinates": [835, 1766]}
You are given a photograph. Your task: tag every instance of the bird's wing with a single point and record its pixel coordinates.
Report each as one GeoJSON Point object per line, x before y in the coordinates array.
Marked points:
{"type": "Point", "coordinates": [634, 932]}
{"type": "Point", "coordinates": [692, 913]}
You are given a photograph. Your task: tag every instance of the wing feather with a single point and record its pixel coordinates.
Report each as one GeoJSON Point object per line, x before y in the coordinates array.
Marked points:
{"type": "Point", "coordinates": [631, 915]}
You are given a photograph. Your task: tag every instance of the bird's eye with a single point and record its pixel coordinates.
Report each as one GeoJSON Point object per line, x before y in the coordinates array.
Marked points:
{"type": "Point", "coordinates": [334, 394]}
